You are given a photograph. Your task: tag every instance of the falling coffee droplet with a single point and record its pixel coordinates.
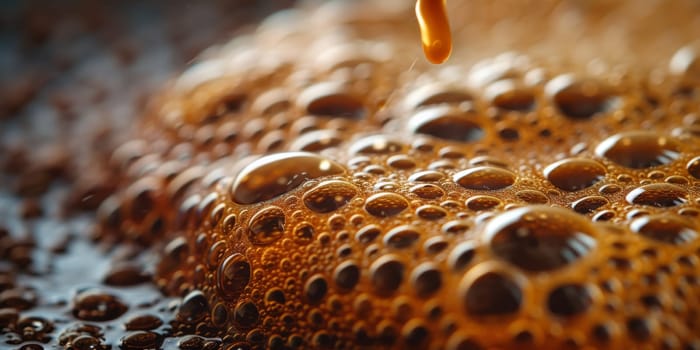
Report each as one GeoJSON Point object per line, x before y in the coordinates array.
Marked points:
{"type": "Point", "coordinates": [435, 30]}
{"type": "Point", "coordinates": [276, 174]}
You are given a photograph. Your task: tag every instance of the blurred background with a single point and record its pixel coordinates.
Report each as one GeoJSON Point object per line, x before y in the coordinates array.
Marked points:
{"type": "Point", "coordinates": [61, 59]}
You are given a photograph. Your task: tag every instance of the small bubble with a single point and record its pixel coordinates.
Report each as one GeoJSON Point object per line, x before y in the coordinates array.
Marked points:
{"type": "Point", "coordinates": [277, 174]}
{"type": "Point", "coordinates": [589, 204]}
{"type": "Point", "coordinates": [485, 178]}
{"type": "Point", "coordinates": [447, 123]}
{"type": "Point", "coordinates": [638, 149]}
{"type": "Point", "coordinates": [658, 195]}
{"type": "Point", "coordinates": [386, 274]}
{"type": "Point", "coordinates": [574, 174]}
{"type": "Point", "coordinates": [245, 314]}
{"type": "Point", "coordinates": [145, 322]}
{"type": "Point", "coordinates": [329, 196]}
{"type": "Point", "coordinates": [194, 307]}
{"type": "Point", "coordinates": [460, 341]}
{"type": "Point", "coordinates": [415, 334]}
{"type": "Point", "coordinates": [462, 255]}
{"type": "Point", "coordinates": [347, 275]}
{"type": "Point", "coordinates": [219, 315]}
{"type": "Point", "coordinates": [316, 141]}
{"type": "Point", "coordinates": [426, 176]}
{"type": "Point", "coordinates": [233, 276]}
{"type": "Point", "coordinates": [532, 197]}
{"type": "Point", "coordinates": [401, 237]}
{"type": "Point", "coordinates": [95, 305]}
{"type": "Point", "coordinates": [426, 279]}
{"type": "Point", "coordinates": [368, 233]}
{"type": "Point", "coordinates": [435, 94]}
{"type": "Point", "coordinates": [665, 228]}
{"type": "Point", "coordinates": [430, 212]}
{"type": "Point", "coordinates": [315, 289]}
{"type": "Point", "coordinates": [482, 202]}
{"type": "Point", "coordinates": [693, 167]}
{"type": "Point", "coordinates": [331, 99]}
{"type": "Point", "coordinates": [507, 94]}
{"type": "Point", "coordinates": [385, 204]}
{"type": "Point", "coordinates": [266, 226]}
{"type": "Point", "coordinates": [139, 340]}
{"type": "Point", "coordinates": [304, 233]}
{"type": "Point", "coordinates": [569, 300]}
{"type": "Point", "coordinates": [401, 161]}
{"type": "Point", "coordinates": [639, 328]}
{"type": "Point", "coordinates": [490, 293]}
{"type": "Point", "coordinates": [540, 238]}
{"type": "Point", "coordinates": [609, 189]}
{"type": "Point", "coordinates": [579, 99]}
{"type": "Point", "coordinates": [376, 144]}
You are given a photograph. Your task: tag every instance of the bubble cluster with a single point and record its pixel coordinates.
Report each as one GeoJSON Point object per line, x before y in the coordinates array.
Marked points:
{"type": "Point", "coordinates": [310, 188]}
{"type": "Point", "coordinates": [503, 213]}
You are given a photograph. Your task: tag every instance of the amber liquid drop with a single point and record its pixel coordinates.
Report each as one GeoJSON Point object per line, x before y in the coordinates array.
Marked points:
{"type": "Point", "coordinates": [434, 29]}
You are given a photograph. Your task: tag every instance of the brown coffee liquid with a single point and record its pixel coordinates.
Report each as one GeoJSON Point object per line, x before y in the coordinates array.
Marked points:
{"type": "Point", "coordinates": [349, 197]}
{"type": "Point", "coordinates": [341, 201]}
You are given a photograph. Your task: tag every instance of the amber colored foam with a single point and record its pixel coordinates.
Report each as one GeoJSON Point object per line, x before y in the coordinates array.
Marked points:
{"type": "Point", "coordinates": [338, 200]}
